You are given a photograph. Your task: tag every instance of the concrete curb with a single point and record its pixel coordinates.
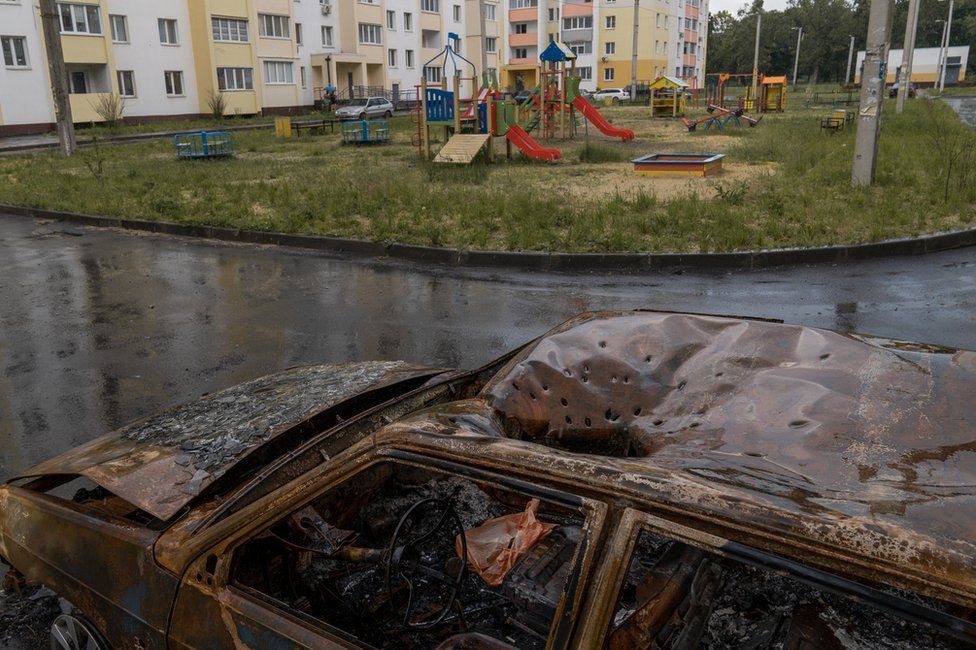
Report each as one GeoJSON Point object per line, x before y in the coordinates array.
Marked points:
{"type": "Point", "coordinates": [532, 260]}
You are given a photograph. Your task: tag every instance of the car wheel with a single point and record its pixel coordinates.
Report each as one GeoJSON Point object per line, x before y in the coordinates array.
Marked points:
{"type": "Point", "coordinates": [388, 114]}
{"type": "Point", "coordinates": [616, 100]}
{"type": "Point", "coordinates": [74, 633]}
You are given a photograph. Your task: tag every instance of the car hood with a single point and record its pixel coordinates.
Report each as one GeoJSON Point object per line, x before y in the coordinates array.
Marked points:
{"type": "Point", "coordinates": [163, 462]}
{"type": "Point", "coordinates": [350, 110]}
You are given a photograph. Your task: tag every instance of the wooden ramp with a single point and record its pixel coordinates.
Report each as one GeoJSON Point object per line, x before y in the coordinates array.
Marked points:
{"type": "Point", "coordinates": [462, 148]}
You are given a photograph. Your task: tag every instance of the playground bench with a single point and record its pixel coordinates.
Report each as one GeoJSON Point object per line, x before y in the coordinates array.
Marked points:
{"type": "Point", "coordinates": [313, 126]}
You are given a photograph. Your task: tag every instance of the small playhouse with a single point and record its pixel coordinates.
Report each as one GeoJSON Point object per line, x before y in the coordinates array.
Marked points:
{"type": "Point", "coordinates": [668, 97]}
{"type": "Point", "coordinates": [773, 94]}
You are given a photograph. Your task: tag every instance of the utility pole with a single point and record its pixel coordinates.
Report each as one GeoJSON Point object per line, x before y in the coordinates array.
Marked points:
{"type": "Point", "coordinates": [796, 60]}
{"type": "Point", "coordinates": [872, 93]}
{"type": "Point", "coordinates": [51, 23]}
{"type": "Point", "coordinates": [633, 56]}
{"type": "Point", "coordinates": [938, 68]}
{"type": "Point", "coordinates": [907, 52]}
{"type": "Point", "coordinates": [755, 63]}
{"type": "Point", "coordinates": [945, 58]}
{"type": "Point", "coordinates": [484, 38]}
{"type": "Point", "coordinates": [850, 59]}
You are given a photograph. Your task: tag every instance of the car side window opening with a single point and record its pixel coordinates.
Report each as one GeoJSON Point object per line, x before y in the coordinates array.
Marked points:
{"type": "Point", "coordinates": [674, 595]}
{"type": "Point", "coordinates": [379, 558]}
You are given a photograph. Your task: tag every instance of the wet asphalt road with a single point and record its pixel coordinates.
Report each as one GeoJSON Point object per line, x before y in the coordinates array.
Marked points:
{"type": "Point", "coordinates": [98, 328]}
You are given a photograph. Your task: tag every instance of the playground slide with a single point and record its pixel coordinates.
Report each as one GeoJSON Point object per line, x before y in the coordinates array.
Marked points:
{"type": "Point", "coordinates": [589, 112]}
{"type": "Point", "coordinates": [530, 147]}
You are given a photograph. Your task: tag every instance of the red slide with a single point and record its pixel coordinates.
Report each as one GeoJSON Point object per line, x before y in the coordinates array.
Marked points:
{"type": "Point", "coordinates": [589, 112]}
{"type": "Point", "coordinates": [530, 147]}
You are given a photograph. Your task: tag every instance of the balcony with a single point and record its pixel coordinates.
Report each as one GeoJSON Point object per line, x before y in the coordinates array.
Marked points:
{"type": "Point", "coordinates": [577, 9]}
{"type": "Point", "coordinates": [575, 35]}
{"type": "Point", "coordinates": [523, 15]}
{"type": "Point", "coordinates": [83, 106]}
{"type": "Point", "coordinates": [523, 40]}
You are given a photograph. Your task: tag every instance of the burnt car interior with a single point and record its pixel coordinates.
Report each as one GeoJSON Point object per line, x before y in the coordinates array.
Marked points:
{"type": "Point", "coordinates": [382, 559]}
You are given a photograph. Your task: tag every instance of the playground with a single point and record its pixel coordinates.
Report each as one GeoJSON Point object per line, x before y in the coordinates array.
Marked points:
{"type": "Point", "coordinates": [783, 183]}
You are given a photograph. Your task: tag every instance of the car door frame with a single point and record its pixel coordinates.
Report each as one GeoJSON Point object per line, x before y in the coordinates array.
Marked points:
{"type": "Point", "coordinates": [207, 585]}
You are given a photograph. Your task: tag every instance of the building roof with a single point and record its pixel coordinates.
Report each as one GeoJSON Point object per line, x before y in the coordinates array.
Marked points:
{"type": "Point", "coordinates": [668, 82]}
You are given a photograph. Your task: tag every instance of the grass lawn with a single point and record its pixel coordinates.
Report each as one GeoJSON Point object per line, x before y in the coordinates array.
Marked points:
{"type": "Point", "coordinates": [785, 184]}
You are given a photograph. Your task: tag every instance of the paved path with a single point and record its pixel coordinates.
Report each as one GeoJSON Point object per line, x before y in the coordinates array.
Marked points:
{"type": "Point", "coordinates": [965, 106]}
{"type": "Point", "coordinates": [99, 327]}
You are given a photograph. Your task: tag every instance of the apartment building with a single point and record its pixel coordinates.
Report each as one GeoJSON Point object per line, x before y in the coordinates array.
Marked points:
{"type": "Point", "coordinates": [690, 32]}
{"type": "Point", "coordinates": [171, 58]}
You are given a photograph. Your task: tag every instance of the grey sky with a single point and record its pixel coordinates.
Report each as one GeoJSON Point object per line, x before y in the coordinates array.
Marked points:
{"type": "Point", "coordinates": [733, 6]}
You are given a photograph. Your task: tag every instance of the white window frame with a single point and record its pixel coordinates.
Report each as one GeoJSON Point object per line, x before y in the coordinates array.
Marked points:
{"type": "Point", "coordinates": [77, 11]}
{"type": "Point", "coordinates": [610, 48]}
{"type": "Point", "coordinates": [119, 75]}
{"type": "Point", "coordinates": [279, 73]}
{"type": "Point", "coordinates": [391, 58]}
{"type": "Point", "coordinates": [304, 74]}
{"type": "Point", "coordinates": [7, 45]}
{"type": "Point", "coordinates": [430, 6]}
{"type": "Point", "coordinates": [232, 79]}
{"type": "Point", "coordinates": [164, 32]}
{"type": "Point", "coordinates": [585, 73]}
{"type": "Point", "coordinates": [491, 44]}
{"type": "Point", "coordinates": [407, 21]}
{"type": "Point", "coordinates": [299, 35]}
{"type": "Point", "coordinates": [391, 20]}
{"type": "Point", "coordinates": [523, 50]}
{"type": "Point", "coordinates": [456, 13]}
{"type": "Point", "coordinates": [276, 26]}
{"type": "Point", "coordinates": [608, 74]}
{"type": "Point", "coordinates": [230, 30]}
{"type": "Point", "coordinates": [327, 40]}
{"type": "Point", "coordinates": [611, 22]}
{"type": "Point", "coordinates": [491, 12]}
{"type": "Point", "coordinates": [170, 78]}
{"type": "Point", "coordinates": [433, 74]}
{"type": "Point", "coordinates": [368, 31]}
{"type": "Point", "coordinates": [113, 21]}
{"type": "Point", "coordinates": [408, 58]}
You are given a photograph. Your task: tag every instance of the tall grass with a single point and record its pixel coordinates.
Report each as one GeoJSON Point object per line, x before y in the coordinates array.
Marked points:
{"type": "Point", "coordinates": [799, 195]}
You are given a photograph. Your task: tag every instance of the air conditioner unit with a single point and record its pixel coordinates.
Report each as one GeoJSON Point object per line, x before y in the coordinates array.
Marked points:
{"type": "Point", "coordinates": [326, 8]}
{"type": "Point", "coordinates": [604, 59]}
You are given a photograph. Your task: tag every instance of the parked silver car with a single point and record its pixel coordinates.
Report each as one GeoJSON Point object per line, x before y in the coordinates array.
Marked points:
{"type": "Point", "coordinates": [614, 94]}
{"type": "Point", "coordinates": [360, 109]}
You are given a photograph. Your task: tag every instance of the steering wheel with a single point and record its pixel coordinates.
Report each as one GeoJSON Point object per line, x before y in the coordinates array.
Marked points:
{"type": "Point", "coordinates": [405, 560]}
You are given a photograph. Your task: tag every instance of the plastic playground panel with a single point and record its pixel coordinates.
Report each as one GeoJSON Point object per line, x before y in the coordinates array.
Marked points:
{"type": "Point", "coordinates": [204, 144]}
{"type": "Point", "coordinates": [365, 131]}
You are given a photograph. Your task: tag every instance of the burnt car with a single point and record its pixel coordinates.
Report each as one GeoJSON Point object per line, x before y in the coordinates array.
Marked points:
{"type": "Point", "coordinates": [627, 480]}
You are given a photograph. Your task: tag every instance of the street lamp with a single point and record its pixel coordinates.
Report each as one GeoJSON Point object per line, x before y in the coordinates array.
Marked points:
{"type": "Point", "coordinates": [796, 60]}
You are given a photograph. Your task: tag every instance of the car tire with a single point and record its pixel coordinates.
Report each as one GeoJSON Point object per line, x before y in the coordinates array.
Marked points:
{"type": "Point", "coordinates": [616, 100]}
{"type": "Point", "coordinates": [388, 114]}
{"type": "Point", "coordinates": [71, 632]}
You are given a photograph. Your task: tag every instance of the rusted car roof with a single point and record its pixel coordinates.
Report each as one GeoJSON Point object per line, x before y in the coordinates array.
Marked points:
{"type": "Point", "coordinates": [163, 462]}
{"type": "Point", "coordinates": [861, 448]}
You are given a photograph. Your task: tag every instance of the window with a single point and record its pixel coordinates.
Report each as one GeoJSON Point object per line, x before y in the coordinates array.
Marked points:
{"type": "Point", "coordinates": [611, 22]}
{"type": "Point", "coordinates": [327, 35]}
{"type": "Point", "coordinates": [581, 47]}
{"type": "Point", "coordinates": [370, 34]}
{"type": "Point", "coordinates": [407, 22]}
{"type": "Point", "coordinates": [524, 4]}
{"type": "Point", "coordinates": [236, 78]}
{"type": "Point", "coordinates": [230, 29]}
{"type": "Point", "coordinates": [119, 27]}
{"type": "Point", "coordinates": [174, 83]}
{"type": "Point", "coordinates": [298, 33]}
{"type": "Point", "coordinates": [608, 74]}
{"type": "Point", "coordinates": [391, 58]}
{"type": "Point", "coordinates": [432, 74]}
{"type": "Point", "coordinates": [457, 13]}
{"type": "Point", "coordinates": [491, 44]}
{"type": "Point", "coordinates": [521, 53]}
{"type": "Point", "coordinates": [127, 83]}
{"type": "Point", "coordinates": [14, 51]}
{"type": "Point", "coordinates": [391, 20]}
{"type": "Point", "coordinates": [578, 22]}
{"type": "Point", "coordinates": [609, 47]}
{"type": "Point", "coordinates": [167, 32]}
{"type": "Point", "coordinates": [279, 73]}
{"type": "Point", "coordinates": [80, 19]}
{"type": "Point", "coordinates": [304, 77]}
{"type": "Point", "coordinates": [78, 82]}
{"type": "Point", "coordinates": [491, 12]}
{"type": "Point", "coordinates": [408, 58]}
{"type": "Point", "coordinates": [552, 15]}
{"type": "Point", "coordinates": [657, 47]}
{"type": "Point", "coordinates": [520, 28]}
{"type": "Point", "coordinates": [433, 6]}
{"type": "Point", "coordinates": [274, 26]}
{"type": "Point", "coordinates": [585, 73]}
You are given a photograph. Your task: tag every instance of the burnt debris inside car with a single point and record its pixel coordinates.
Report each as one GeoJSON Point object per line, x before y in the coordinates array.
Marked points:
{"type": "Point", "coordinates": [627, 480]}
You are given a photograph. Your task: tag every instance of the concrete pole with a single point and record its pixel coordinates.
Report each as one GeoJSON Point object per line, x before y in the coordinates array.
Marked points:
{"type": "Point", "coordinates": [850, 60]}
{"type": "Point", "coordinates": [908, 51]}
{"type": "Point", "coordinates": [755, 65]}
{"type": "Point", "coordinates": [872, 93]}
{"type": "Point", "coordinates": [51, 23]}
{"type": "Point", "coordinates": [796, 60]}
{"type": "Point", "coordinates": [938, 68]}
{"type": "Point", "coordinates": [948, 39]}
{"type": "Point", "coordinates": [633, 56]}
